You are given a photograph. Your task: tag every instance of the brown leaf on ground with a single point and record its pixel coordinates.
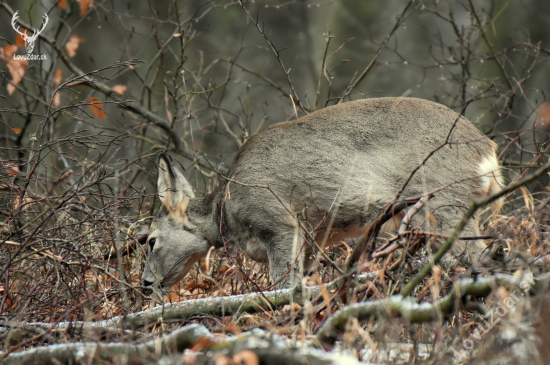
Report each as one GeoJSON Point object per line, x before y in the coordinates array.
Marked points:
{"type": "Point", "coordinates": [202, 343]}
{"type": "Point", "coordinates": [233, 328]}
{"type": "Point", "coordinates": [294, 307]}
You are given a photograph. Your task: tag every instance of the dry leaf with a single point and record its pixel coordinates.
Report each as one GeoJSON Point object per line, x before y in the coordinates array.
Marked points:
{"type": "Point", "coordinates": [202, 343]}
{"type": "Point", "coordinates": [16, 67]}
{"type": "Point", "coordinates": [12, 169]}
{"type": "Point", "coordinates": [56, 99]}
{"type": "Point", "coordinates": [96, 106]}
{"type": "Point", "coordinates": [72, 45]}
{"type": "Point", "coordinates": [321, 316]}
{"type": "Point", "coordinates": [19, 41]}
{"type": "Point", "coordinates": [85, 5]}
{"type": "Point", "coordinates": [57, 78]}
{"type": "Point", "coordinates": [119, 89]}
{"type": "Point", "coordinates": [233, 328]}
{"type": "Point", "coordinates": [64, 175]}
{"type": "Point", "coordinates": [189, 283]}
{"type": "Point", "coordinates": [247, 357]}
{"type": "Point", "coordinates": [528, 199]}
{"type": "Point", "coordinates": [294, 307]}
{"type": "Point", "coordinates": [56, 81]}
{"type": "Point", "coordinates": [16, 130]}
{"type": "Point", "coordinates": [17, 202]}
{"type": "Point", "coordinates": [62, 4]}
{"type": "Point", "coordinates": [174, 297]}
{"type": "Point", "coordinates": [8, 304]}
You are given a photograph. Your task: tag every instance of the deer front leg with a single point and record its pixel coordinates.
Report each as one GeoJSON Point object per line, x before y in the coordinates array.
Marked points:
{"type": "Point", "coordinates": [286, 259]}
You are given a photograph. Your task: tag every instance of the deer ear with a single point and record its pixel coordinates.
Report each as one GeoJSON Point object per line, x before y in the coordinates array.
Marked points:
{"type": "Point", "coordinates": [174, 190]}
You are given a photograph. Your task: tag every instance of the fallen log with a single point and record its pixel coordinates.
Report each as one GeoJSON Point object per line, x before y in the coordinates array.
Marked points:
{"type": "Point", "coordinates": [407, 307]}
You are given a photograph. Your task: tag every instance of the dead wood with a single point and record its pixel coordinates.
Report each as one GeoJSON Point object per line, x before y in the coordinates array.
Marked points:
{"type": "Point", "coordinates": [402, 306]}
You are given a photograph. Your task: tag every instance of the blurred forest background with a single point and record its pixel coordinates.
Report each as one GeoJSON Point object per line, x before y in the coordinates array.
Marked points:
{"type": "Point", "coordinates": [80, 132]}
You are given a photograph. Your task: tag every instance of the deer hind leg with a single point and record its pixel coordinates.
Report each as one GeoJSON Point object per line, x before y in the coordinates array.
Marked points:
{"type": "Point", "coordinates": [463, 251]}
{"type": "Point", "coordinates": [443, 221]}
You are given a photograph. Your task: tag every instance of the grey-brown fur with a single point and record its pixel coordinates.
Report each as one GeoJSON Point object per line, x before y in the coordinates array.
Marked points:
{"type": "Point", "coordinates": [350, 159]}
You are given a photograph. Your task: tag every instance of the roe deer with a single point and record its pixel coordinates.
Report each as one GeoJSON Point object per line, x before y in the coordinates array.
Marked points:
{"type": "Point", "coordinates": [333, 169]}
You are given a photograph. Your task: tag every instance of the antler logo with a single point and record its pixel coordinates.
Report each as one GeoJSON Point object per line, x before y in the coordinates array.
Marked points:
{"type": "Point", "coordinates": [29, 40]}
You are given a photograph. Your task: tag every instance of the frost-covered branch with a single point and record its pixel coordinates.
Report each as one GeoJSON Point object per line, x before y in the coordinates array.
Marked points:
{"type": "Point", "coordinates": [218, 306]}
{"type": "Point", "coordinates": [426, 312]}
{"type": "Point", "coordinates": [176, 341]}
{"type": "Point", "coordinates": [251, 347]}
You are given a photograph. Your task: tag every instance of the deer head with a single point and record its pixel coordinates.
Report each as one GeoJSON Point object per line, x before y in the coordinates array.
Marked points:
{"type": "Point", "coordinates": [29, 40]}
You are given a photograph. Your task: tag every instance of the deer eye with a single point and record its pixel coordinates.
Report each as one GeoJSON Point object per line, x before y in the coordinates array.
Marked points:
{"type": "Point", "coordinates": [152, 242]}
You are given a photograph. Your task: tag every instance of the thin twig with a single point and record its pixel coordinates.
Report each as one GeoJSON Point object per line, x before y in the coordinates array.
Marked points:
{"type": "Point", "coordinates": [278, 55]}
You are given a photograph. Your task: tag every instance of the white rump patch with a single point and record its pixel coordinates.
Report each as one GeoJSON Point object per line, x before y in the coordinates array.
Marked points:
{"type": "Point", "coordinates": [490, 174]}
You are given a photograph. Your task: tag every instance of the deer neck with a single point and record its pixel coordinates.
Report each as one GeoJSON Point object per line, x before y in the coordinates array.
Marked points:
{"type": "Point", "coordinates": [203, 214]}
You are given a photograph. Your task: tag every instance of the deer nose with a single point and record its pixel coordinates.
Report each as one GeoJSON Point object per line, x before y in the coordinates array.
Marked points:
{"type": "Point", "coordinates": [147, 291]}
{"type": "Point", "coordinates": [147, 283]}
